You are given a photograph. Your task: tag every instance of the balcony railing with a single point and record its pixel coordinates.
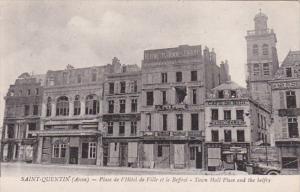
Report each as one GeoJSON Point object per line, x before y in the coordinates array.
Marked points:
{"type": "Point", "coordinates": [259, 32]}
{"type": "Point", "coordinates": [289, 112]}
{"type": "Point", "coordinates": [172, 133]}
{"type": "Point", "coordinates": [227, 123]}
{"type": "Point", "coordinates": [170, 107]}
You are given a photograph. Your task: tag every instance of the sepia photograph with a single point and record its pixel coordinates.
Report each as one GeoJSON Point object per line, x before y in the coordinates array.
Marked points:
{"type": "Point", "coordinates": [136, 88]}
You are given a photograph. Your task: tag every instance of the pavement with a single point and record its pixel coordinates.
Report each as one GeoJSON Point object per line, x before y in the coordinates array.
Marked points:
{"type": "Point", "coordinates": [27, 169]}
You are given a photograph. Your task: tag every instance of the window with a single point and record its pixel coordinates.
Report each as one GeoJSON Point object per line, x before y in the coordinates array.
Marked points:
{"type": "Point", "coordinates": [164, 97]}
{"type": "Point", "coordinates": [92, 150]}
{"type": "Point", "coordinates": [194, 121]}
{"type": "Point", "coordinates": [214, 114]}
{"type": "Point", "coordinates": [111, 104]}
{"type": "Point", "coordinates": [110, 128]}
{"type": "Point", "coordinates": [111, 88]}
{"type": "Point", "coordinates": [28, 92]}
{"type": "Point", "coordinates": [179, 122]}
{"type": "Point", "coordinates": [227, 115]}
{"type": "Point", "coordinates": [221, 94]}
{"type": "Point", "coordinates": [121, 128]}
{"type": "Point", "coordinates": [266, 69]}
{"type": "Point", "coordinates": [59, 151]}
{"type": "Point", "coordinates": [148, 121]}
{"type": "Point", "coordinates": [10, 131]}
{"type": "Point", "coordinates": [91, 105]}
{"type": "Point", "coordinates": [288, 72]}
{"type": "Point", "coordinates": [289, 162]}
{"type": "Point", "coordinates": [149, 98]}
{"type": "Point", "coordinates": [35, 110]}
{"type": "Point", "coordinates": [265, 49]}
{"type": "Point", "coordinates": [133, 128]}
{"type": "Point", "coordinates": [123, 86]}
{"type": "Point", "coordinates": [37, 91]}
{"type": "Point", "coordinates": [227, 135]}
{"type": "Point", "coordinates": [240, 115]}
{"type": "Point", "coordinates": [255, 49]}
{"type": "Point", "coordinates": [194, 96]}
{"type": "Point", "coordinates": [193, 75]}
{"type": "Point", "coordinates": [78, 78]}
{"type": "Point", "coordinates": [293, 127]}
{"type": "Point", "coordinates": [180, 94]}
{"type": "Point", "coordinates": [122, 105]}
{"type": "Point", "coordinates": [215, 135]}
{"type": "Point", "coordinates": [256, 69]}
{"type": "Point", "coordinates": [164, 77]}
{"type": "Point", "coordinates": [88, 150]}
{"type": "Point", "coordinates": [291, 99]}
{"type": "Point", "coordinates": [77, 105]}
{"type": "Point", "coordinates": [134, 86]}
{"type": "Point", "coordinates": [133, 105]}
{"type": "Point", "coordinates": [26, 110]}
{"type": "Point", "coordinates": [124, 69]}
{"type": "Point", "coordinates": [233, 94]}
{"type": "Point", "coordinates": [31, 126]}
{"type": "Point", "coordinates": [159, 151]}
{"type": "Point", "coordinates": [193, 151]}
{"type": "Point", "coordinates": [49, 107]}
{"type": "Point", "coordinates": [240, 135]}
{"type": "Point", "coordinates": [178, 76]}
{"type": "Point", "coordinates": [62, 106]}
{"type": "Point", "coordinates": [165, 122]}
{"type": "Point", "coordinates": [94, 76]}
{"type": "Point", "coordinates": [56, 151]}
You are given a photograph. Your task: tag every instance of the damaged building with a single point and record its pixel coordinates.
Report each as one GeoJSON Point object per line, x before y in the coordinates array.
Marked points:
{"type": "Point", "coordinates": [174, 83]}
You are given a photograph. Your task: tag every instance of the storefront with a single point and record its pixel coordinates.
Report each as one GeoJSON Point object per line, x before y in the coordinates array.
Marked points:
{"type": "Point", "coordinates": [223, 156]}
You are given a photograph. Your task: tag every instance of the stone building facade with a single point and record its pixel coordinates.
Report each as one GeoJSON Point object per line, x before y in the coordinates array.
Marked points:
{"type": "Point", "coordinates": [262, 60]}
{"type": "Point", "coordinates": [174, 83]}
{"type": "Point", "coordinates": [23, 104]}
{"type": "Point", "coordinates": [234, 123]}
{"type": "Point", "coordinates": [71, 119]}
{"type": "Point", "coordinates": [121, 116]}
{"type": "Point", "coordinates": [286, 111]}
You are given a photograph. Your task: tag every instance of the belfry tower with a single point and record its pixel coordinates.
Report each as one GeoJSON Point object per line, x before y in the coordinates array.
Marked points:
{"type": "Point", "coordinates": [262, 60]}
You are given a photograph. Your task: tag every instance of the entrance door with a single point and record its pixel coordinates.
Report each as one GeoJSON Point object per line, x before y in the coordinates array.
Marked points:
{"type": "Point", "coordinates": [105, 154]}
{"type": "Point", "coordinates": [198, 159]}
{"type": "Point", "coordinates": [73, 155]}
{"type": "Point", "coordinates": [123, 154]}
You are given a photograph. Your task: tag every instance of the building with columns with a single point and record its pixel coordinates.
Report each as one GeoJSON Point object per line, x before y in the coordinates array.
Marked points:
{"type": "Point", "coordinates": [286, 112]}
{"type": "Point", "coordinates": [262, 60]}
{"type": "Point", "coordinates": [121, 115]}
{"type": "Point", "coordinates": [71, 119]}
{"type": "Point", "coordinates": [23, 103]}
{"type": "Point", "coordinates": [233, 124]}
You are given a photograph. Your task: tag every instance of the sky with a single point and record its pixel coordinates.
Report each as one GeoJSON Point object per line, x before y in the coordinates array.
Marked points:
{"type": "Point", "coordinates": [36, 36]}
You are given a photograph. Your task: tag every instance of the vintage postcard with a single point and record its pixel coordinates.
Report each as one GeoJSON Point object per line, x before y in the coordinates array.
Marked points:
{"type": "Point", "coordinates": [149, 95]}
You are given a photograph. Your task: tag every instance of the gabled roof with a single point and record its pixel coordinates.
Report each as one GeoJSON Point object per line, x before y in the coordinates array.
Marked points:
{"type": "Point", "coordinates": [291, 59]}
{"type": "Point", "coordinates": [229, 85]}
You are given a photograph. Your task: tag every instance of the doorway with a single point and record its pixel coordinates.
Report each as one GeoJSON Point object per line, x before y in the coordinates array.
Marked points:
{"type": "Point", "coordinates": [73, 155]}
{"type": "Point", "coordinates": [198, 159]}
{"type": "Point", "coordinates": [123, 154]}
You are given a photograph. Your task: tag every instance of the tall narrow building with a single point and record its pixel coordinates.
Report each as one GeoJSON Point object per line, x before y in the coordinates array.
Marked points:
{"type": "Point", "coordinates": [262, 60]}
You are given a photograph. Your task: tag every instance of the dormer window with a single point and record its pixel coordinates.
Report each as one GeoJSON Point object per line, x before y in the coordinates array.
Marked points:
{"type": "Point", "coordinates": [221, 94]}
{"type": "Point", "coordinates": [233, 94]}
{"type": "Point", "coordinates": [255, 49]}
{"type": "Point", "coordinates": [265, 49]}
{"type": "Point", "coordinates": [288, 72]}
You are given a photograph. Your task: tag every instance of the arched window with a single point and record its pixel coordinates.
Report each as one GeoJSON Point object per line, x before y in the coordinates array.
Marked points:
{"type": "Point", "coordinates": [255, 49]}
{"type": "Point", "coordinates": [49, 107]}
{"type": "Point", "coordinates": [265, 49]}
{"type": "Point", "coordinates": [77, 105]}
{"type": "Point", "coordinates": [91, 105]}
{"type": "Point", "coordinates": [62, 106]}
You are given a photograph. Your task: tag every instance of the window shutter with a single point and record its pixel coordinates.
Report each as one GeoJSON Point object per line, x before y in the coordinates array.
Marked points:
{"type": "Point", "coordinates": [284, 128]}
{"type": "Point", "coordinates": [281, 98]}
